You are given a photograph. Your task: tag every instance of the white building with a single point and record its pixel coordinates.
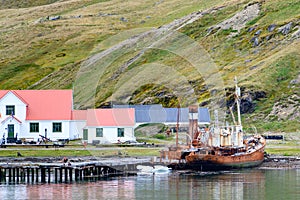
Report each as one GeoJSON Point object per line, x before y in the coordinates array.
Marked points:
{"type": "Point", "coordinates": [32, 113]}
{"type": "Point", "coordinates": [109, 125]}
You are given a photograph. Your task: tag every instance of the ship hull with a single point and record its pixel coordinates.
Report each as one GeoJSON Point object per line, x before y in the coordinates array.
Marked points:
{"type": "Point", "coordinates": [203, 165]}
{"type": "Point", "coordinates": [221, 162]}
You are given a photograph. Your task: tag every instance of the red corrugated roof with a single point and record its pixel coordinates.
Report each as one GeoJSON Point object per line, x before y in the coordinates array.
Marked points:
{"type": "Point", "coordinates": [45, 104]}
{"type": "Point", "coordinates": [79, 114]}
{"type": "Point", "coordinates": [12, 118]}
{"type": "Point", "coordinates": [3, 93]}
{"type": "Point", "coordinates": [111, 117]}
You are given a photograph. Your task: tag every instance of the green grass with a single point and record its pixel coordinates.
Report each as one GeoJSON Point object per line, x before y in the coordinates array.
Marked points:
{"type": "Point", "coordinates": [135, 151]}
{"type": "Point", "coordinates": [273, 126]}
{"type": "Point", "coordinates": [286, 148]}
{"type": "Point", "coordinates": [255, 20]}
{"type": "Point", "coordinates": [277, 66]}
{"type": "Point", "coordinates": [282, 71]}
{"type": "Point", "coordinates": [279, 12]}
{"type": "Point", "coordinates": [43, 153]}
{"type": "Point", "coordinates": [199, 28]}
{"type": "Point", "coordinates": [284, 152]}
{"type": "Point", "coordinates": [277, 77]}
{"type": "Point", "coordinates": [73, 38]}
{"type": "Point", "coordinates": [98, 152]}
{"type": "Point", "coordinates": [24, 3]}
{"type": "Point", "coordinates": [150, 129]}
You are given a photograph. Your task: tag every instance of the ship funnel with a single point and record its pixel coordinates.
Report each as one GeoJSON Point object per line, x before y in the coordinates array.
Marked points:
{"type": "Point", "coordinates": [193, 122]}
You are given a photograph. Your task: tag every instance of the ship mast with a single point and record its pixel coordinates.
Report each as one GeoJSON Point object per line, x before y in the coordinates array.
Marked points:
{"type": "Point", "coordinates": [177, 124]}
{"type": "Point", "coordinates": [237, 96]}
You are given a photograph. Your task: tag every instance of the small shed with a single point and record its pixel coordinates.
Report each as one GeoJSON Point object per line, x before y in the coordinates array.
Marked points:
{"type": "Point", "coordinates": [109, 125]}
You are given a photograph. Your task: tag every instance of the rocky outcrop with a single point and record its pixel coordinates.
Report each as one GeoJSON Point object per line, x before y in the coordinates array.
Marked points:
{"type": "Point", "coordinates": [286, 109]}
{"type": "Point", "coordinates": [272, 33]}
{"type": "Point", "coordinates": [239, 20]}
{"type": "Point", "coordinates": [247, 100]}
{"type": "Point", "coordinates": [295, 82]}
{"type": "Point", "coordinates": [296, 34]}
{"type": "Point", "coordinates": [271, 27]}
{"type": "Point", "coordinates": [285, 29]}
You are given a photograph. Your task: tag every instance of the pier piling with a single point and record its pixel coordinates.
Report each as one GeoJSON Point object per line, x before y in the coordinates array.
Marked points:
{"type": "Point", "coordinates": [56, 173]}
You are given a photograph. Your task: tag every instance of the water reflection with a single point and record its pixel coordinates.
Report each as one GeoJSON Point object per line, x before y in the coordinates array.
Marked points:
{"type": "Point", "coordinates": [283, 184]}
{"type": "Point", "coordinates": [246, 184]}
{"type": "Point", "coordinates": [110, 189]}
{"type": "Point", "coordinates": [227, 185]}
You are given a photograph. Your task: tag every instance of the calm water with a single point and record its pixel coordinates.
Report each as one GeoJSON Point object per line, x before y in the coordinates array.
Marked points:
{"type": "Point", "coordinates": [245, 184]}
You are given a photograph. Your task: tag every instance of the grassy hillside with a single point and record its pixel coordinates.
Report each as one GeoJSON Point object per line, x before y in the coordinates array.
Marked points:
{"type": "Point", "coordinates": [271, 66]}
{"type": "Point", "coordinates": [6, 4]}
{"type": "Point", "coordinates": [35, 45]}
{"type": "Point", "coordinates": [50, 44]}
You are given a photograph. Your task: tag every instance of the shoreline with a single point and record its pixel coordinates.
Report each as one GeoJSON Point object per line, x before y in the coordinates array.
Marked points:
{"type": "Point", "coordinates": [270, 162]}
{"type": "Point", "coordinates": [281, 162]}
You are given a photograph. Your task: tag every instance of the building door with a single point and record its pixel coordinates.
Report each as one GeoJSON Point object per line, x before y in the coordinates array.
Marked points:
{"type": "Point", "coordinates": [10, 131]}
{"type": "Point", "coordinates": [85, 134]}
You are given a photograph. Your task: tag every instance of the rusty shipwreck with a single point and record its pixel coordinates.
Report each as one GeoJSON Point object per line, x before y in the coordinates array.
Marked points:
{"type": "Point", "coordinates": [217, 147]}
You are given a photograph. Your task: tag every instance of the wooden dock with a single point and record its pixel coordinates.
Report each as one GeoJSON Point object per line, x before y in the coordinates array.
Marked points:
{"type": "Point", "coordinates": [62, 173]}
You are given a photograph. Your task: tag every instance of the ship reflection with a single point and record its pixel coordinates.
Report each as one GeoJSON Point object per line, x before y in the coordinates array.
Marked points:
{"type": "Point", "coordinates": [223, 185]}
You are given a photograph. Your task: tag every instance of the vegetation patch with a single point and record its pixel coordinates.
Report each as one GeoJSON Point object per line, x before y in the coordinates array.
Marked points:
{"type": "Point", "coordinates": [277, 126]}
{"type": "Point", "coordinates": [283, 151]}
{"type": "Point", "coordinates": [150, 130]}
{"type": "Point", "coordinates": [44, 153]}
{"type": "Point", "coordinates": [24, 3]}
{"type": "Point", "coordinates": [154, 94]}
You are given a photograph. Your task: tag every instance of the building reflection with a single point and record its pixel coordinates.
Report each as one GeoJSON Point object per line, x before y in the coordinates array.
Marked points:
{"type": "Point", "coordinates": [107, 189]}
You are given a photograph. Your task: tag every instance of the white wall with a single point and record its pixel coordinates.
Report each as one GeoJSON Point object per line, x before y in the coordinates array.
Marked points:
{"type": "Point", "coordinates": [20, 114]}
{"type": "Point", "coordinates": [23, 129]}
{"type": "Point", "coordinates": [17, 127]}
{"type": "Point", "coordinates": [11, 99]}
{"type": "Point", "coordinates": [76, 129]}
{"type": "Point", "coordinates": [110, 134]}
{"type": "Point", "coordinates": [45, 124]}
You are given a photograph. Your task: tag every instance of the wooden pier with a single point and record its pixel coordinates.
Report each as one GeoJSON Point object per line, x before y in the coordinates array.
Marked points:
{"type": "Point", "coordinates": [61, 173]}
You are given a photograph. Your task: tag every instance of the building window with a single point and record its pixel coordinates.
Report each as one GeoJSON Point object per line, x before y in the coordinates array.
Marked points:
{"type": "Point", "coordinates": [10, 110]}
{"type": "Point", "coordinates": [34, 127]}
{"type": "Point", "coordinates": [120, 132]}
{"type": "Point", "coordinates": [85, 134]}
{"type": "Point", "coordinates": [99, 132]}
{"type": "Point", "coordinates": [56, 127]}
